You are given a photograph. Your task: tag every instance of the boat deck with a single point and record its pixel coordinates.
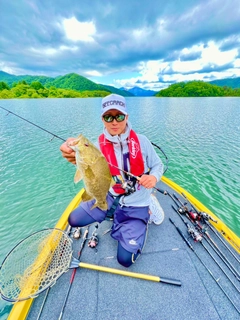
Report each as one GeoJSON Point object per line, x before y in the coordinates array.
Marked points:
{"type": "Point", "coordinates": [100, 296]}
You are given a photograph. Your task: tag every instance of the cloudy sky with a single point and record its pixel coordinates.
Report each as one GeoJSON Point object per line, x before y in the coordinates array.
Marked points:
{"type": "Point", "coordinates": [145, 43]}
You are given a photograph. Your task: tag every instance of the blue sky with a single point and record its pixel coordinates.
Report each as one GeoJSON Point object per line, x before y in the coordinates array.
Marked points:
{"type": "Point", "coordinates": [150, 44]}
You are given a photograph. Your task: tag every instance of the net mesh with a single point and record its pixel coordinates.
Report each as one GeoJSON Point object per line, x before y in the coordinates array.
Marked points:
{"type": "Point", "coordinates": [35, 264]}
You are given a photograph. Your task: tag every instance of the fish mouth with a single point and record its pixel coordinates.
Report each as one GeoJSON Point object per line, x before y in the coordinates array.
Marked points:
{"type": "Point", "coordinates": [73, 144]}
{"type": "Point", "coordinates": [73, 147]}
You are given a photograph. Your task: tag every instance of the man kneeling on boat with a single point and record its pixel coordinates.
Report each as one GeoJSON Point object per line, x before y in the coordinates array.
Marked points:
{"type": "Point", "coordinates": [128, 202]}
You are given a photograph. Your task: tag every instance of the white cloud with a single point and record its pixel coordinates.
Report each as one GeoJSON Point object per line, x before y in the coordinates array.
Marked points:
{"type": "Point", "coordinates": [79, 31]}
{"type": "Point", "coordinates": [53, 51]}
{"type": "Point", "coordinates": [177, 71]}
{"type": "Point", "coordinates": [212, 54]}
{"type": "Point", "coordinates": [141, 34]}
{"type": "Point", "coordinates": [151, 69]}
{"type": "Point", "coordinates": [148, 46]}
{"type": "Point", "coordinates": [93, 73]}
{"type": "Point", "coordinates": [6, 68]}
{"type": "Point", "coordinates": [237, 63]}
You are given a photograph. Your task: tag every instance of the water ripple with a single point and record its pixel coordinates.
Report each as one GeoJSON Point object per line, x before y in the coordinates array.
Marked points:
{"type": "Point", "coordinates": [201, 138]}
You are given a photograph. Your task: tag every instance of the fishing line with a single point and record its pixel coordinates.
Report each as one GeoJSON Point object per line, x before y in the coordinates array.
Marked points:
{"type": "Point", "coordinates": [24, 119]}
{"type": "Point", "coordinates": [56, 136]}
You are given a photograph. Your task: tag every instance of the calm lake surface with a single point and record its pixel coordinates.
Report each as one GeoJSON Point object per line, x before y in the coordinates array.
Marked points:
{"type": "Point", "coordinates": [201, 137]}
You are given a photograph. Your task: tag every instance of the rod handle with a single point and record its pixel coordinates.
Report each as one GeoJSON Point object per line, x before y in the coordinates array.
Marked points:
{"type": "Point", "coordinates": [129, 274]}
{"type": "Point", "coordinates": [171, 281]}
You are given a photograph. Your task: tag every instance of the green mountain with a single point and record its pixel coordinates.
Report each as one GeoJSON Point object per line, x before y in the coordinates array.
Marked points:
{"type": "Point", "coordinates": [139, 92]}
{"type": "Point", "coordinates": [10, 79]}
{"type": "Point", "coordinates": [228, 82]}
{"type": "Point", "coordinates": [75, 82]}
{"type": "Point", "coordinates": [197, 89]}
{"type": "Point", "coordinates": [121, 92]}
{"type": "Point", "coordinates": [71, 81]}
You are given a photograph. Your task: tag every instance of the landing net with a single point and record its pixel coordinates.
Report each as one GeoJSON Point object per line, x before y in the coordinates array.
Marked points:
{"type": "Point", "coordinates": [34, 264]}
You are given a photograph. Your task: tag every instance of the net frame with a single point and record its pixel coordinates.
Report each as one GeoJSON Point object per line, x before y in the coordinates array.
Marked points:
{"type": "Point", "coordinates": [34, 264]}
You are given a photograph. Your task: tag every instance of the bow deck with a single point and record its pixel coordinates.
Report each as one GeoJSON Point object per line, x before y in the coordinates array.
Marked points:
{"type": "Point", "coordinates": [97, 295]}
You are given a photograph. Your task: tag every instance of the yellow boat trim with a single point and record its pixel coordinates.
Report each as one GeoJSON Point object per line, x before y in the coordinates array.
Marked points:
{"type": "Point", "coordinates": [227, 233]}
{"type": "Point", "coordinates": [21, 309]}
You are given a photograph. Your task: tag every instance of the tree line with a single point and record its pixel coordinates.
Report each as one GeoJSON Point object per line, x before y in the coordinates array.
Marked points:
{"type": "Point", "coordinates": [198, 89]}
{"type": "Point", "coordinates": [36, 90]}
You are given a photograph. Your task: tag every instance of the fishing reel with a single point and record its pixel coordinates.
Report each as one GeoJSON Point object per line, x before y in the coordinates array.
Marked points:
{"type": "Point", "coordinates": [206, 217]}
{"type": "Point", "coordinates": [77, 233]}
{"type": "Point", "coordinates": [194, 233]}
{"type": "Point", "coordinates": [93, 241]}
{"type": "Point", "coordinates": [129, 186]}
{"type": "Point", "coordinates": [183, 210]}
{"type": "Point", "coordinates": [193, 215]}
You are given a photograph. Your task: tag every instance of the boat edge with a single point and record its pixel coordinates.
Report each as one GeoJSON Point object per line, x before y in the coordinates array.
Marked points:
{"type": "Point", "coordinates": [225, 231]}
{"type": "Point", "coordinates": [21, 309]}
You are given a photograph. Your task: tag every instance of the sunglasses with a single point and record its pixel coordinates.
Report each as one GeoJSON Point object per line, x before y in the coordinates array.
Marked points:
{"type": "Point", "coordinates": [110, 118]}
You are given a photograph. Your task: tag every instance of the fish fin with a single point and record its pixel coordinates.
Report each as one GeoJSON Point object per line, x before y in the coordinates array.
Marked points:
{"type": "Point", "coordinates": [86, 196]}
{"type": "Point", "coordinates": [103, 205]}
{"type": "Point", "coordinates": [78, 176]}
{"type": "Point", "coordinates": [94, 205]}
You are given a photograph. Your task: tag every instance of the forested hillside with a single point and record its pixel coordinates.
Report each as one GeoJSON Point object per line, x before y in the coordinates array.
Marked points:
{"type": "Point", "coordinates": [10, 79]}
{"type": "Point", "coordinates": [229, 82]}
{"type": "Point", "coordinates": [74, 85]}
{"type": "Point", "coordinates": [75, 82]}
{"type": "Point", "coordinates": [36, 90]}
{"type": "Point", "coordinates": [197, 89]}
{"type": "Point", "coordinates": [70, 81]}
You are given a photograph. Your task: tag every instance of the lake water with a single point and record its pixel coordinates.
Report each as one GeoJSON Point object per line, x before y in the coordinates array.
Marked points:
{"type": "Point", "coordinates": [201, 137]}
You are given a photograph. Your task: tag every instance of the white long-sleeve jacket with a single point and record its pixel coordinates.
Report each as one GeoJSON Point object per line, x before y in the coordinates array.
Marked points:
{"type": "Point", "coordinates": [152, 165]}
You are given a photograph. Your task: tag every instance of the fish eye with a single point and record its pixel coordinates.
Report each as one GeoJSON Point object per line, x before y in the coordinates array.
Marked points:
{"type": "Point", "coordinates": [86, 145]}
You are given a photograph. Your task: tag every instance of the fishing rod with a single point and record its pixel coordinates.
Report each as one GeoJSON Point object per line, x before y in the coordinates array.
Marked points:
{"type": "Point", "coordinates": [136, 177]}
{"type": "Point", "coordinates": [203, 263]}
{"type": "Point", "coordinates": [205, 218]}
{"type": "Point", "coordinates": [198, 238]}
{"type": "Point", "coordinates": [34, 124]}
{"type": "Point", "coordinates": [155, 145]}
{"type": "Point", "coordinates": [60, 138]}
{"type": "Point", "coordinates": [195, 217]}
{"type": "Point", "coordinates": [214, 231]}
{"type": "Point", "coordinates": [185, 210]}
{"type": "Point", "coordinates": [73, 273]}
{"type": "Point", "coordinates": [225, 260]}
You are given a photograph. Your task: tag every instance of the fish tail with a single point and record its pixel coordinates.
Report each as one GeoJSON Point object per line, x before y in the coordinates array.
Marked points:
{"type": "Point", "coordinates": [103, 206]}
